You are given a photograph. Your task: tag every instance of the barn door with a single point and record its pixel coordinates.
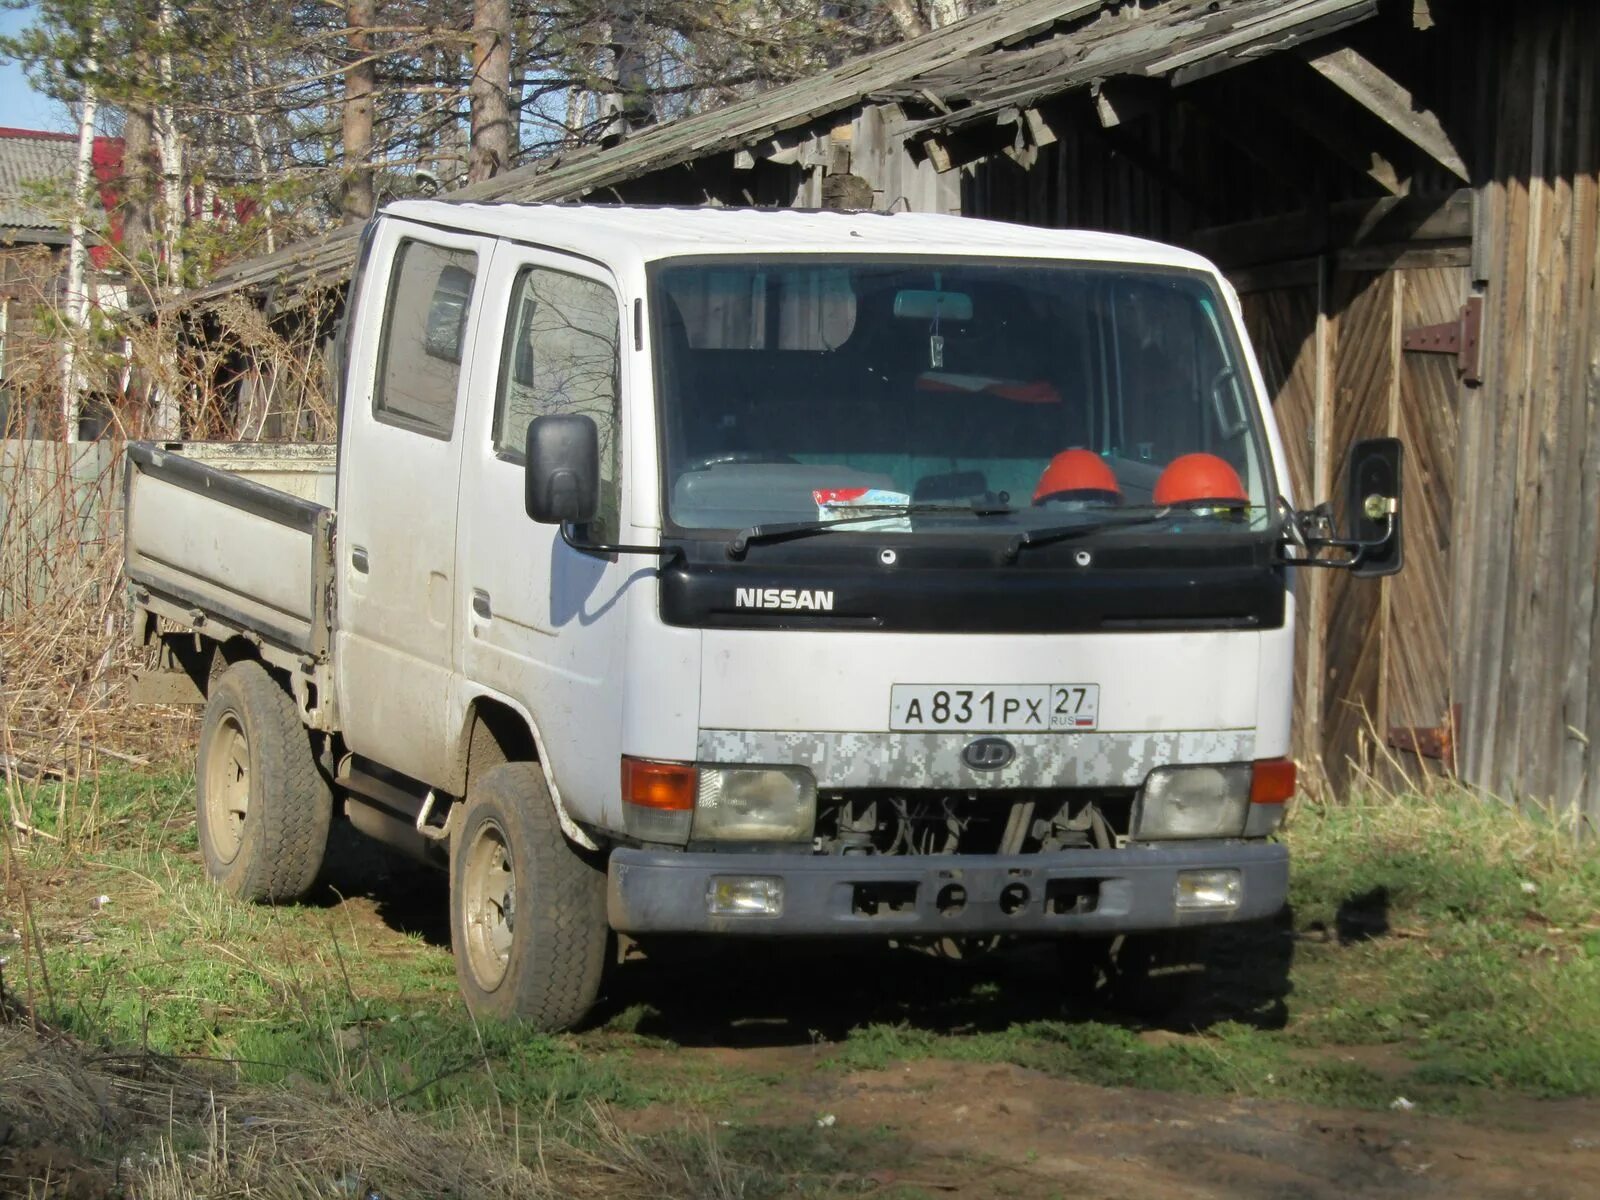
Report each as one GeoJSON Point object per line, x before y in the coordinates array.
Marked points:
{"type": "Point", "coordinates": [1282, 320]}
{"type": "Point", "coordinates": [1421, 723]}
{"type": "Point", "coordinates": [1372, 683]}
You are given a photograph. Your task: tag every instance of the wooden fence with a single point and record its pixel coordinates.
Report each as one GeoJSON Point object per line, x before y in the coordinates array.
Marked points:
{"type": "Point", "coordinates": [59, 512]}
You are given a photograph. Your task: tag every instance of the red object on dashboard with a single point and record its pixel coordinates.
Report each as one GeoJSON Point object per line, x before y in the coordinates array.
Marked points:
{"type": "Point", "coordinates": [1021, 391]}
{"type": "Point", "coordinates": [1077, 474]}
{"type": "Point", "coordinates": [1199, 479]}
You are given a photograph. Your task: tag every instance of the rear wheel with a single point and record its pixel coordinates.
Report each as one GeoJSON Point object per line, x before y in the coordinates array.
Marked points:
{"type": "Point", "coordinates": [262, 806]}
{"type": "Point", "coordinates": [527, 908]}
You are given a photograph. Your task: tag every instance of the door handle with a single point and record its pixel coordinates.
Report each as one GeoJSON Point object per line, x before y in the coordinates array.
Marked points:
{"type": "Point", "coordinates": [358, 558]}
{"type": "Point", "coordinates": [480, 604]}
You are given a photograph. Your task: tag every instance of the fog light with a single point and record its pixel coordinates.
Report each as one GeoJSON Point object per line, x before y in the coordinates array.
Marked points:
{"type": "Point", "coordinates": [1207, 889]}
{"type": "Point", "coordinates": [744, 896]}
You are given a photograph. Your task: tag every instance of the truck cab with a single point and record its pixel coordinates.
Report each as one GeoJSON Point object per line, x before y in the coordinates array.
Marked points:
{"type": "Point", "coordinates": [766, 574]}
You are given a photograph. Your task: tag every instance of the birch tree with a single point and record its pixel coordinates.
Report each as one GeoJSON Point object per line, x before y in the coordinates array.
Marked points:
{"type": "Point", "coordinates": [77, 298]}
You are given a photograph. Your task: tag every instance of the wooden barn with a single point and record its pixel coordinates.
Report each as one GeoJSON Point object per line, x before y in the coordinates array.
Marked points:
{"type": "Point", "coordinates": [1405, 194]}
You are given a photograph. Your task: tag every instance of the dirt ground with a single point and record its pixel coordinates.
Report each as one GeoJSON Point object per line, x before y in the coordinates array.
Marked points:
{"type": "Point", "coordinates": [965, 1129]}
{"type": "Point", "coordinates": [771, 1025]}
{"type": "Point", "coordinates": [984, 1130]}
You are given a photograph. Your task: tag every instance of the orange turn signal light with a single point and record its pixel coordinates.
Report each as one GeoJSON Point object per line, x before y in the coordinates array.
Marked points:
{"type": "Point", "coordinates": [1272, 780]}
{"type": "Point", "coordinates": [664, 786]}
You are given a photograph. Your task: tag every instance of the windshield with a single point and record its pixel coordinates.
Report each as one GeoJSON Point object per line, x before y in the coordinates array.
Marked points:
{"type": "Point", "coordinates": [1059, 393]}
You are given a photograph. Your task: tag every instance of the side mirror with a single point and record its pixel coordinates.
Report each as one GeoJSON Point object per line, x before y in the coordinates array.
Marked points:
{"type": "Point", "coordinates": [1372, 506]}
{"type": "Point", "coordinates": [563, 470]}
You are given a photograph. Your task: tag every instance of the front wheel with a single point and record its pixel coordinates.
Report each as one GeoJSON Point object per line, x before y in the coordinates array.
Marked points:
{"type": "Point", "coordinates": [527, 908]}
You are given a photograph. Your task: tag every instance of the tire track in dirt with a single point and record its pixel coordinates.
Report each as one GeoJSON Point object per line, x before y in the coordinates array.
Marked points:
{"type": "Point", "coordinates": [979, 1130]}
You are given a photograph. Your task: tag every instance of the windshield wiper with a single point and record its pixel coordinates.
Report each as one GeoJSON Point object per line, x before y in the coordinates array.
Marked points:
{"type": "Point", "coordinates": [742, 541]}
{"type": "Point", "coordinates": [1062, 533]}
{"type": "Point", "coordinates": [1121, 520]}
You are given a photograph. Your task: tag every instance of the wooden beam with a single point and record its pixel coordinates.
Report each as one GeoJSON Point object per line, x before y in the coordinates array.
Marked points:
{"type": "Point", "coordinates": [1119, 101]}
{"type": "Point", "coordinates": [1364, 82]}
{"type": "Point", "coordinates": [1255, 39]}
{"type": "Point", "coordinates": [1392, 220]}
{"type": "Point", "coordinates": [1280, 98]}
{"type": "Point", "coordinates": [953, 148]}
{"type": "Point", "coordinates": [1039, 131]}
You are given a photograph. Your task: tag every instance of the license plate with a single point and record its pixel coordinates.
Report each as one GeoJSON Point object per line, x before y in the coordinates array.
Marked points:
{"type": "Point", "coordinates": [995, 708]}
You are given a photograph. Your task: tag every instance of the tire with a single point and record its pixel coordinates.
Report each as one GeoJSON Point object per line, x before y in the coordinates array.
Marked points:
{"type": "Point", "coordinates": [1146, 975]}
{"type": "Point", "coordinates": [527, 908]}
{"type": "Point", "coordinates": [262, 807]}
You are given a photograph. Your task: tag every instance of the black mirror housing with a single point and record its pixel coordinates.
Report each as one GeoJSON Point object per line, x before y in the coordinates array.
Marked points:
{"type": "Point", "coordinates": [1373, 506]}
{"type": "Point", "coordinates": [563, 470]}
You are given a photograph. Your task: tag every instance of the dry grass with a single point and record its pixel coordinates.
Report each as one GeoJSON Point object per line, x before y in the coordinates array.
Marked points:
{"type": "Point", "coordinates": [66, 642]}
{"type": "Point", "coordinates": [167, 1131]}
{"type": "Point", "coordinates": [66, 646]}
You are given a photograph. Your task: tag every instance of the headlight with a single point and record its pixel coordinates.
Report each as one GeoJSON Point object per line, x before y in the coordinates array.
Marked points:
{"type": "Point", "coordinates": [1193, 802]}
{"type": "Point", "coordinates": [755, 804]}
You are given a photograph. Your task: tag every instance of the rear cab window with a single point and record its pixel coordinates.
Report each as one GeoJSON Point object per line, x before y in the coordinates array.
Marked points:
{"type": "Point", "coordinates": [424, 328]}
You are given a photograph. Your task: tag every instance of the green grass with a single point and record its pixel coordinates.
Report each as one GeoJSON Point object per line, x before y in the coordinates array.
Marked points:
{"type": "Point", "coordinates": [169, 963]}
{"type": "Point", "coordinates": [1487, 974]}
{"type": "Point", "coordinates": [1442, 949]}
{"type": "Point", "coordinates": [1460, 936]}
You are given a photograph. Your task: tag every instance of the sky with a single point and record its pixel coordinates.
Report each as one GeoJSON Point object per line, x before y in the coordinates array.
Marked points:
{"type": "Point", "coordinates": [20, 106]}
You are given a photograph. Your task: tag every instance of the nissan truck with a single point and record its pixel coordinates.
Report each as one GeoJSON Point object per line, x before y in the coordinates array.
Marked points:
{"type": "Point", "coordinates": [761, 574]}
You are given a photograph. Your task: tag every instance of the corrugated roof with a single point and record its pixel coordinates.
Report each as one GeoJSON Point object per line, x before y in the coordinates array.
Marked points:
{"type": "Point", "coordinates": [31, 160]}
{"type": "Point", "coordinates": [978, 68]}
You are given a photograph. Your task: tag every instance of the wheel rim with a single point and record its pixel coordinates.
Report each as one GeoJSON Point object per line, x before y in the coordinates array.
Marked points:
{"type": "Point", "coordinates": [490, 897]}
{"type": "Point", "coordinates": [227, 787]}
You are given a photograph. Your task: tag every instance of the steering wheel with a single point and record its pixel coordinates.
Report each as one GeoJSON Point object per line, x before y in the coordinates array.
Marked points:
{"type": "Point", "coordinates": [723, 457]}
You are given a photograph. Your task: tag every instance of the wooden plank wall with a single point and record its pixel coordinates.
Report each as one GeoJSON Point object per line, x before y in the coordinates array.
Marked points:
{"type": "Point", "coordinates": [1365, 354]}
{"type": "Point", "coordinates": [1289, 337]}
{"type": "Point", "coordinates": [1370, 656]}
{"type": "Point", "coordinates": [1497, 608]}
{"type": "Point", "coordinates": [1419, 609]}
{"type": "Point", "coordinates": [1525, 665]}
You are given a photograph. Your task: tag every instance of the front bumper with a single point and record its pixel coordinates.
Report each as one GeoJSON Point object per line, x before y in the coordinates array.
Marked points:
{"type": "Point", "coordinates": [1077, 892]}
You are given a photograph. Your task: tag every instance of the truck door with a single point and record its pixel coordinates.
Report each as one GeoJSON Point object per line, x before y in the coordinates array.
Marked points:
{"type": "Point", "coordinates": [542, 626]}
{"type": "Point", "coordinates": [399, 474]}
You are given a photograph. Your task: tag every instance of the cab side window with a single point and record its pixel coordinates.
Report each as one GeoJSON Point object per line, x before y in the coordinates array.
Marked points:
{"type": "Point", "coordinates": [561, 356]}
{"type": "Point", "coordinates": [424, 327]}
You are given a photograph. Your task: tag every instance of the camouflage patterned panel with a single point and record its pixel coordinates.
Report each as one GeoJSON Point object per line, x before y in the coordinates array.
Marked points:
{"type": "Point", "coordinates": [933, 760]}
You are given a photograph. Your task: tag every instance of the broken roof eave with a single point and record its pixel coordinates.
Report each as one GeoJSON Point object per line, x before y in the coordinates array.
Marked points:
{"type": "Point", "coordinates": [681, 141]}
{"type": "Point", "coordinates": [1180, 42]}
{"type": "Point", "coordinates": [1199, 44]}
{"type": "Point", "coordinates": [18, 236]}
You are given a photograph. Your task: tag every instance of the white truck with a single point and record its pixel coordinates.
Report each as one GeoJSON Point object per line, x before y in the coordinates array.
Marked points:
{"type": "Point", "coordinates": [761, 574]}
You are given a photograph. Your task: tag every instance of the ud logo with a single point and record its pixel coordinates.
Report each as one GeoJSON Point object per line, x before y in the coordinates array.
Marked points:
{"type": "Point", "coordinates": [988, 754]}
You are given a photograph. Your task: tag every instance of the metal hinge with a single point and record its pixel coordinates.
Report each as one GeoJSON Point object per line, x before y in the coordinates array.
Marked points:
{"type": "Point", "coordinates": [1460, 337]}
{"type": "Point", "coordinates": [1438, 742]}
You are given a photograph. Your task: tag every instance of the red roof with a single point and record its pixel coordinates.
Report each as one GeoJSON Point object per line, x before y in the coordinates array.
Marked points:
{"type": "Point", "coordinates": [29, 157]}
{"type": "Point", "coordinates": [8, 131]}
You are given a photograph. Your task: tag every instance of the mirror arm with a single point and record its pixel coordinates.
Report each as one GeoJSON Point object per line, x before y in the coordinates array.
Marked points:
{"type": "Point", "coordinates": [569, 536]}
{"type": "Point", "coordinates": [1357, 550]}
